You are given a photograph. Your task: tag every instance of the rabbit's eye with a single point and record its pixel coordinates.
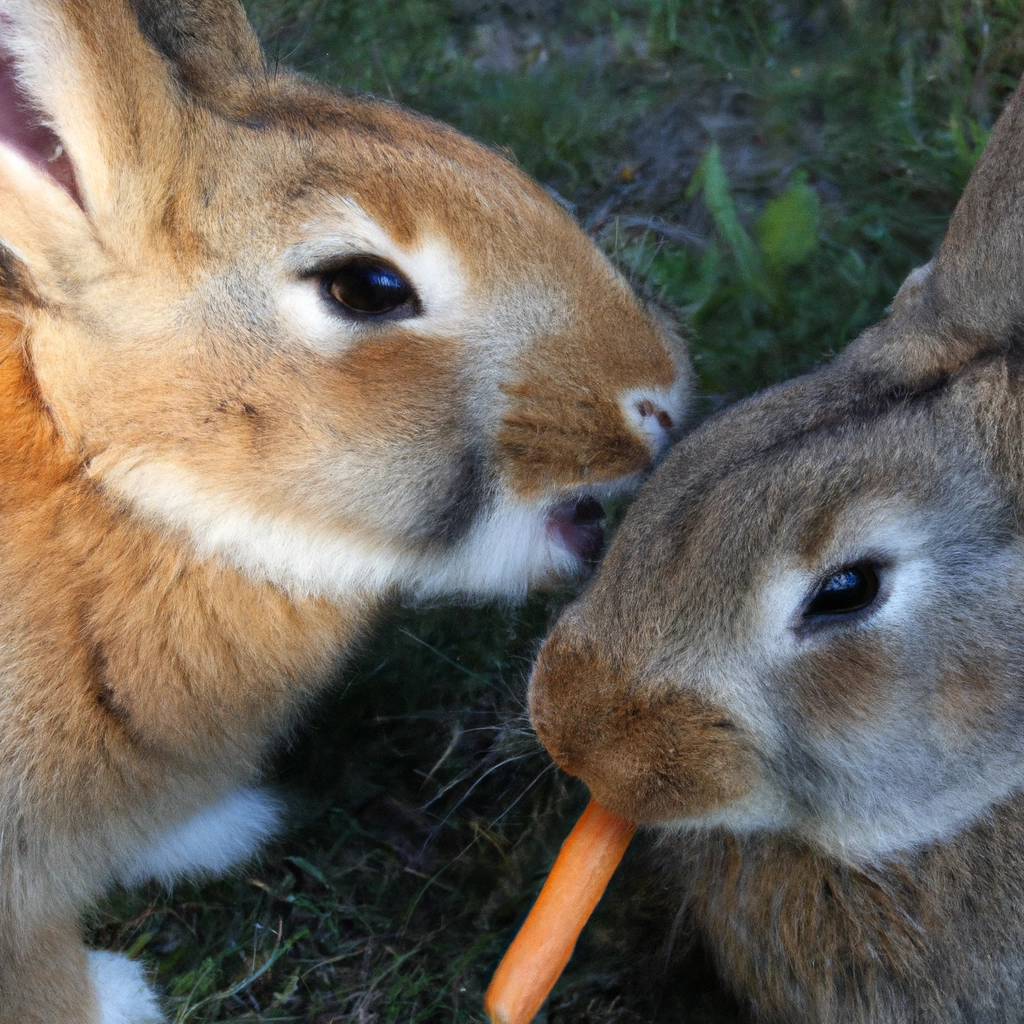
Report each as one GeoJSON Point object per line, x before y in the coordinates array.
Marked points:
{"type": "Point", "coordinates": [366, 288]}
{"type": "Point", "coordinates": [849, 590]}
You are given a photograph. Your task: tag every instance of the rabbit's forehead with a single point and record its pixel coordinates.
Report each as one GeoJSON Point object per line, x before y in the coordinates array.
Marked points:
{"type": "Point", "coordinates": [410, 177]}
{"type": "Point", "coordinates": [738, 554]}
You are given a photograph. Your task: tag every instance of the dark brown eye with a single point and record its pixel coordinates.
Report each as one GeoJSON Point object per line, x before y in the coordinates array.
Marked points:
{"type": "Point", "coordinates": [849, 590]}
{"type": "Point", "coordinates": [365, 288]}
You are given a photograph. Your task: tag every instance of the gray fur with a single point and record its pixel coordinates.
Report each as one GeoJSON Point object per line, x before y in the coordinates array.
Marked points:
{"type": "Point", "coordinates": [874, 869]}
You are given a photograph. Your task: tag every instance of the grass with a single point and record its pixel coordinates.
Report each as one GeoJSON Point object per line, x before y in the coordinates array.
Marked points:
{"type": "Point", "coordinates": [770, 171]}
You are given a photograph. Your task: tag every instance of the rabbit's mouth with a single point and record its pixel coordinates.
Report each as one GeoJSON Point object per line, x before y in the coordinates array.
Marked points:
{"type": "Point", "coordinates": [578, 524]}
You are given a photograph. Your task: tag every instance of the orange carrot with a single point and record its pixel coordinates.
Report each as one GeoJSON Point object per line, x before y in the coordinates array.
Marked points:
{"type": "Point", "coordinates": [539, 953]}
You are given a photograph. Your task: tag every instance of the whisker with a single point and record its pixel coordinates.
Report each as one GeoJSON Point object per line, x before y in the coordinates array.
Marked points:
{"type": "Point", "coordinates": [540, 775]}
{"type": "Point", "coordinates": [444, 657]}
{"type": "Point", "coordinates": [465, 796]}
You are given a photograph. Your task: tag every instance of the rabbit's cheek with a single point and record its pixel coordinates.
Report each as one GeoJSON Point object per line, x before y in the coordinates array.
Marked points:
{"type": "Point", "coordinates": [647, 753]}
{"type": "Point", "coordinates": [845, 685]}
{"type": "Point", "coordinates": [970, 701]}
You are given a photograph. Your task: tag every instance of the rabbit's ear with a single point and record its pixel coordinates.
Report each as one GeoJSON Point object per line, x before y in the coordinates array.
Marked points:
{"type": "Point", "coordinates": [90, 130]}
{"type": "Point", "coordinates": [977, 287]}
{"type": "Point", "coordinates": [970, 298]}
{"type": "Point", "coordinates": [209, 43]}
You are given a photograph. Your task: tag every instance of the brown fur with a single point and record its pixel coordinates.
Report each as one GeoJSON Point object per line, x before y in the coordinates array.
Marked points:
{"type": "Point", "coordinates": [871, 869]}
{"type": "Point", "coordinates": [180, 406]}
{"type": "Point", "coordinates": [138, 656]}
{"type": "Point", "coordinates": [643, 753]}
{"type": "Point", "coordinates": [933, 938]}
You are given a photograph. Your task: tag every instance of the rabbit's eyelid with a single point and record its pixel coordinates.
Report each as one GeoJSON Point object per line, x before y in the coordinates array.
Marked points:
{"type": "Point", "coordinates": [337, 263]}
{"type": "Point", "coordinates": [431, 268]}
{"type": "Point", "coordinates": [809, 621]}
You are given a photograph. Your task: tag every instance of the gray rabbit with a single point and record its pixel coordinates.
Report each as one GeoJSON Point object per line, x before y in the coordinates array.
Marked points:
{"type": "Point", "coordinates": [802, 660]}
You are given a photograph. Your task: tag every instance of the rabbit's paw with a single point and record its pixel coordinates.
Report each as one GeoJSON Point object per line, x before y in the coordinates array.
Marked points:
{"type": "Point", "coordinates": [210, 842]}
{"type": "Point", "coordinates": [122, 993]}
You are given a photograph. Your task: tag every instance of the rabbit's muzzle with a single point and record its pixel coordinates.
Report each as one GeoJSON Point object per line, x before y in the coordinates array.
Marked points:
{"type": "Point", "coordinates": [648, 751]}
{"type": "Point", "coordinates": [578, 524]}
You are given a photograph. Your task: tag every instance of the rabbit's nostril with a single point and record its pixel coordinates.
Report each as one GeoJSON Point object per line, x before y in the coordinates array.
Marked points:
{"type": "Point", "coordinates": [647, 409]}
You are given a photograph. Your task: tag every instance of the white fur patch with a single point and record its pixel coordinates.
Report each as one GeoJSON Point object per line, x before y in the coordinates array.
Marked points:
{"type": "Point", "coordinates": [507, 550]}
{"type": "Point", "coordinates": [122, 993]}
{"type": "Point", "coordinates": [641, 406]}
{"type": "Point", "coordinates": [432, 268]}
{"type": "Point", "coordinates": [217, 838]}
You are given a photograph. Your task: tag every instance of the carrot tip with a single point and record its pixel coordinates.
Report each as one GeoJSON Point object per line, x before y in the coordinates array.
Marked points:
{"type": "Point", "coordinates": [541, 949]}
{"type": "Point", "coordinates": [494, 1015]}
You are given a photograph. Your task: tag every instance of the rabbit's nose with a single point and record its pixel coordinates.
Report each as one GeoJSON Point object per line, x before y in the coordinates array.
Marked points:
{"type": "Point", "coordinates": [655, 418]}
{"type": "Point", "coordinates": [650, 753]}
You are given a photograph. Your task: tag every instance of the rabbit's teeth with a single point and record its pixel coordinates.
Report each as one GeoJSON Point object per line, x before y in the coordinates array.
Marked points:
{"type": "Point", "coordinates": [579, 525]}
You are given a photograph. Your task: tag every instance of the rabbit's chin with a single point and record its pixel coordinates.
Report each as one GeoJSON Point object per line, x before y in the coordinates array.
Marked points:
{"type": "Point", "coordinates": [511, 546]}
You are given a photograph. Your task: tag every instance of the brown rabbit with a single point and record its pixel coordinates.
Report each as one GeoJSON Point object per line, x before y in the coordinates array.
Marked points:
{"type": "Point", "coordinates": [269, 356]}
{"type": "Point", "coordinates": [803, 657]}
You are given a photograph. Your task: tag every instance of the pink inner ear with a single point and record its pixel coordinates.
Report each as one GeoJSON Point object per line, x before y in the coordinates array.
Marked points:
{"type": "Point", "coordinates": [20, 128]}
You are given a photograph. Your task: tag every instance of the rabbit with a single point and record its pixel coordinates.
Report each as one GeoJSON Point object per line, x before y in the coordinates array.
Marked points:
{"type": "Point", "coordinates": [271, 356]}
{"type": "Point", "coordinates": [801, 662]}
